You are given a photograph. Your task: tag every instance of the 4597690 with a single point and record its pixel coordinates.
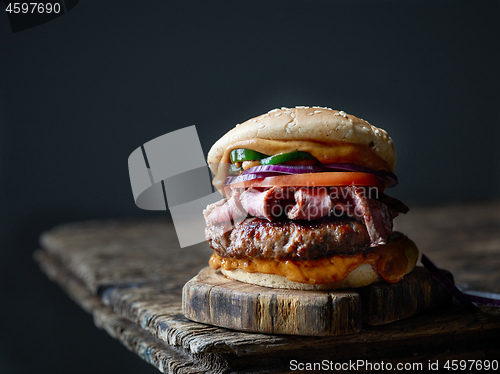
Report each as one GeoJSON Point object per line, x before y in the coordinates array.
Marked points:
{"type": "Point", "coordinates": [32, 8]}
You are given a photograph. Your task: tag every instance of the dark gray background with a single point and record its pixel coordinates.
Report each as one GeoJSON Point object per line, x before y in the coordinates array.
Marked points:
{"type": "Point", "coordinates": [80, 93]}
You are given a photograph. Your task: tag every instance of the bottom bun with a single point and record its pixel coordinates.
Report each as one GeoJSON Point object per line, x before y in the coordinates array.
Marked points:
{"type": "Point", "coordinates": [363, 275]}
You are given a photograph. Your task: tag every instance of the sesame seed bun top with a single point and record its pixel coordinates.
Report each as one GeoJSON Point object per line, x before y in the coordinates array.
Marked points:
{"type": "Point", "coordinates": [329, 135]}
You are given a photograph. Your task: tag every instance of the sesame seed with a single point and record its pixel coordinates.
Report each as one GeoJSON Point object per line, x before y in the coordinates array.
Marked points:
{"type": "Point", "coordinates": [260, 125]}
{"type": "Point", "coordinates": [278, 114]}
{"type": "Point", "coordinates": [292, 115]}
{"type": "Point", "coordinates": [310, 114]}
{"type": "Point", "coordinates": [288, 125]}
{"type": "Point", "coordinates": [317, 111]}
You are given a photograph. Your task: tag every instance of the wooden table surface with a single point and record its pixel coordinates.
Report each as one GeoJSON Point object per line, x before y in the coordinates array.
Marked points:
{"type": "Point", "coordinates": [129, 275]}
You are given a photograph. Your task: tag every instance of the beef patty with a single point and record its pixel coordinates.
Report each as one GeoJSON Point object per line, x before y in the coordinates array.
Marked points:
{"type": "Point", "coordinates": [288, 239]}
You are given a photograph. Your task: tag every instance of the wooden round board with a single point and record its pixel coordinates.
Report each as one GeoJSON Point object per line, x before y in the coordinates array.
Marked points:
{"type": "Point", "coordinates": [212, 298]}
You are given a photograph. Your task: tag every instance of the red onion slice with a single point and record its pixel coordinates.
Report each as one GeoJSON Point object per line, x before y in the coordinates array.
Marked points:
{"type": "Point", "coordinates": [262, 171]}
{"type": "Point", "coordinates": [446, 282]}
{"type": "Point", "coordinates": [248, 177]}
{"type": "Point", "coordinates": [484, 298]}
{"type": "Point", "coordinates": [467, 298]}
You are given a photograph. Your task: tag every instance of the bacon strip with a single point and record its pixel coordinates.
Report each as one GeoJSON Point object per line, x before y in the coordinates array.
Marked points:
{"type": "Point", "coordinates": [372, 213]}
{"type": "Point", "coordinates": [268, 204]}
{"type": "Point", "coordinates": [225, 210]}
{"type": "Point", "coordinates": [311, 204]}
{"type": "Point", "coordinates": [395, 206]}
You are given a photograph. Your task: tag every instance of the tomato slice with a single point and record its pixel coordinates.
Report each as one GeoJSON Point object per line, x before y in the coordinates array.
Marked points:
{"type": "Point", "coordinates": [338, 178]}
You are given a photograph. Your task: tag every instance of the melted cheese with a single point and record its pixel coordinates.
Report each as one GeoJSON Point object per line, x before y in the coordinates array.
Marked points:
{"type": "Point", "coordinates": [389, 261]}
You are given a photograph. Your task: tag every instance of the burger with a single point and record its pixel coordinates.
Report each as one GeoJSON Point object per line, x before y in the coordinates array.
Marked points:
{"type": "Point", "coordinates": [304, 203]}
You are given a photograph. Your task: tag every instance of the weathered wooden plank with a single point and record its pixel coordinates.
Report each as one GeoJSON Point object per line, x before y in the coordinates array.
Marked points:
{"type": "Point", "coordinates": [158, 314]}
{"type": "Point", "coordinates": [128, 253]}
{"type": "Point", "coordinates": [167, 358]}
{"type": "Point", "coordinates": [463, 334]}
{"type": "Point", "coordinates": [137, 269]}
